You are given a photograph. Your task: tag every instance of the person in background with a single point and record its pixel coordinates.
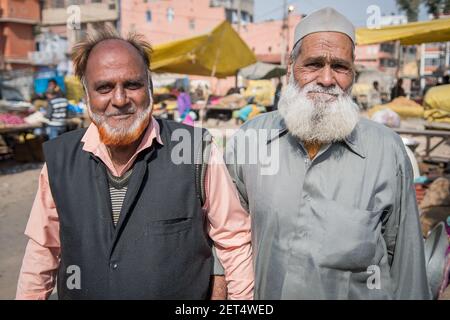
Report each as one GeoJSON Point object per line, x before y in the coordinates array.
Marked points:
{"type": "Point", "coordinates": [184, 103]}
{"type": "Point", "coordinates": [199, 93]}
{"type": "Point", "coordinates": [56, 114]}
{"type": "Point", "coordinates": [375, 98]}
{"type": "Point", "coordinates": [53, 90]}
{"type": "Point", "coordinates": [445, 80]}
{"type": "Point", "coordinates": [397, 90]}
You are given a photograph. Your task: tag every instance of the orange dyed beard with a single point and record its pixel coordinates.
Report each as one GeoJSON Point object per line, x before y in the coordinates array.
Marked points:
{"type": "Point", "coordinates": [119, 139]}
{"type": "Point", "coordinates": [122, 137]}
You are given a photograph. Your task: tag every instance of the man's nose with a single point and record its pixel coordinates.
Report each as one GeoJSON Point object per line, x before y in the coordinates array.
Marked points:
{"type": "Point", "coordinates": [119, 98]}
{"type": "Point", "coordinates": [326, 78]}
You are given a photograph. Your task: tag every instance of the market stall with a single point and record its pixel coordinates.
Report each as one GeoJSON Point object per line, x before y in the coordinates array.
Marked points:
{"type": "Point", "coordinates": [407, 34]}
{"type": "Point", "coordinates": [22, 127]}
{"type": "Point", "coordinates": [219, 53]}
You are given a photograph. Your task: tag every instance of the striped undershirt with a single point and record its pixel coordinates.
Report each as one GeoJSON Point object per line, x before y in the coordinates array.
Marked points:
{"type": "Point", "coordinates": [118, 187]}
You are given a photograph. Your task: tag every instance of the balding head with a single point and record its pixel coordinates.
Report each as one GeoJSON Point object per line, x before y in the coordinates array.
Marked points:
{"type": "Point", "coordinates": [113, 54]}
{"type": "Point", "coordinates": [82, 50]}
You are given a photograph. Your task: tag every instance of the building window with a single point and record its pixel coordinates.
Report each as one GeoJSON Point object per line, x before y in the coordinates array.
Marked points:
{"type": "Point", "coordinates": [432, 62]}
{"type": "Point", "coordinates": [192, 24]}
{"type": "Point", "coordinates": [148, 16]}
{"type": "Point", "coordinates": [387, 47]}
{"type": "Point", "coordinates": [388, 63]}
{"type": "Point", "coordinates": [74, 2]}
{"type": "Point", "coordinates": [229, 15]}
{"type": "Point", "coordinates": [170, 14]}
{"type": "Point", "coordinates": [57, 4]}
{"type": "Point", "coordinates": [270, 49]}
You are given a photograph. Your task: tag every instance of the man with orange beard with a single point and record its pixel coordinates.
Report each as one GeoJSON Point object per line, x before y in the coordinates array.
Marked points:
{"type": "Point", "coordinates": [117, 215]}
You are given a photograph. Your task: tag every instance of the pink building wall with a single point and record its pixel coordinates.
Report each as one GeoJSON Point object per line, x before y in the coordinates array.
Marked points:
{"type": "Point", "coordinates": [368, 55]}
{"type": "Point", "coordinates": [190, 18]}
{"type": "Point", "coordinates": [266, 38]}
{"type": "Point", "coordinates": [16, 32]}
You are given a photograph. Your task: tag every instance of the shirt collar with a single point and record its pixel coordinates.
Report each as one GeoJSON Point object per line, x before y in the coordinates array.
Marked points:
{"type": "Point", "coordinates": [352, 141]}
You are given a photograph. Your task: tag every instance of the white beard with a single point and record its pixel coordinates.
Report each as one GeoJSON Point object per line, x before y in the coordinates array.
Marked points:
{"type": "Point", "coordinates": [316, 120]}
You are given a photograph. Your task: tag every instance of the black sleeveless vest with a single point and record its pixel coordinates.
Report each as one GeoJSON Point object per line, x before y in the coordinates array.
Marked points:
{"type": "Point", "coordinates": [159, 249]}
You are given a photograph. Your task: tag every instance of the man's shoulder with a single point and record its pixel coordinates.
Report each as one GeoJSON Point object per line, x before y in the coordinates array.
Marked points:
{"type": "Point", "coordinates": [68, 138]}
{"type": "Point", "coordinates": [374, 130]}
{"type": "Point", "coordinates": [269, 120]}
{"type": "Point", "coordinates": [376, 135]}
{"type": "Point", "coordinates": [171, 126]}
{"type": "Point", "coordinates": [171, 131]}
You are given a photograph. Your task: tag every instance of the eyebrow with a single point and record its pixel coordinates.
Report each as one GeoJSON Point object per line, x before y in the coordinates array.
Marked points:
{"type": "Point", "coordinates": [324, 60]}
{"type": "Point", "coordinates": [110, 82]}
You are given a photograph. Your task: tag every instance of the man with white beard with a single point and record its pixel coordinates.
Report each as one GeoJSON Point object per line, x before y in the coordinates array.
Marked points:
{"type": "Point", "coordinates": [338, 219]}
{"type": "Point", "coordinates": [117, 215]}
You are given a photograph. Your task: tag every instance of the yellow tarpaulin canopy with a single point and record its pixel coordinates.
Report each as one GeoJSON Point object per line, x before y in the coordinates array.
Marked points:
{"type": "Point", "coordinates": [408, 34]}
{"type": "Point", "coordinates": [220, 53]}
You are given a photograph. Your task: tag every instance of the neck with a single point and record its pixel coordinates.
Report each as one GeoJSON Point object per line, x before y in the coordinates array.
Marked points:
{"type": "Point", "coordinates": [312, 148]}
{"type": "Point", "coordinates": [120, 155]}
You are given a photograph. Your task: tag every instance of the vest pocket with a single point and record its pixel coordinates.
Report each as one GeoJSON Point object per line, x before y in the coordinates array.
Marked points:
{"type": "Point", "coordinates": [170, 226]}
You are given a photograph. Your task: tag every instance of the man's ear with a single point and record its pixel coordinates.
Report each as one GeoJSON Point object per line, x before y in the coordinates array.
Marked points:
{"type": "Point", "coordinates": [289, 70]}
{"type": "Point", "coordinates": [86, 93]}
{"type": "Point", "coordinates": [150, 84]}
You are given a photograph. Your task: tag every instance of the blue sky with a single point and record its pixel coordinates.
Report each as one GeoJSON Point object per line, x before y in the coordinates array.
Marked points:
{"type": "Point", "coordinates": [354, 10]}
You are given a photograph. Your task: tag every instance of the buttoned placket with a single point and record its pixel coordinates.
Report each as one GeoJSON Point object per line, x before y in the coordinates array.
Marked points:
{"type": "Point", "coordinates": [303, 230]}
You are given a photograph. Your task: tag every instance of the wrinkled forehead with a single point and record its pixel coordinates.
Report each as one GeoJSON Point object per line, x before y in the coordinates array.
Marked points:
{"type": "Point", "coordinates": [327, 45]}
{"type": "Point", "coordinates": [115, 59]}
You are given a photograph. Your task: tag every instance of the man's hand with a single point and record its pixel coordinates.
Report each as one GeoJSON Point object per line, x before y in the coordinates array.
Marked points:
{"type": "Point", "coordinates": [218, 288]}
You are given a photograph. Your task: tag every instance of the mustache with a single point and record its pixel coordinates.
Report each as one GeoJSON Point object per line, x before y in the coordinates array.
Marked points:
{"type": "Point", "coordinates": [314, 88]}
{"type": "Point", "coordinates": [129, 111]}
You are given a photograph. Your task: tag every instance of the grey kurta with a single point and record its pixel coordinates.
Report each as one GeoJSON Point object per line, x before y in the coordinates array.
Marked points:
{"type": "Point", "coordinates": [342, 226]}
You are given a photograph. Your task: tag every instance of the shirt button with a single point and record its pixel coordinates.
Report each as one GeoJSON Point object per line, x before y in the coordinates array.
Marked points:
{"type": "Point", "coordinates": [114, 266]}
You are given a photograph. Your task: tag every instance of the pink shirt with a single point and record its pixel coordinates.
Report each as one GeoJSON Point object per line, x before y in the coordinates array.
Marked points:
{"type": "Point", "coordinates": [228, 225]}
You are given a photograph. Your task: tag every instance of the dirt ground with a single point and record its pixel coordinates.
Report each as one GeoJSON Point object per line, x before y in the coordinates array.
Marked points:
{"type": "Point", "coordinates": [17, 192]}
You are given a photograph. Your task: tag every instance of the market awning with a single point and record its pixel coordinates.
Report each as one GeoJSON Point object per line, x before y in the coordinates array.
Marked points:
{"type": "Point", "coordinates": [220, 53]}
{"type": "Point", "coordinates": [261, 70]}
{"type": "Point", "coordinates": [408, 34]}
